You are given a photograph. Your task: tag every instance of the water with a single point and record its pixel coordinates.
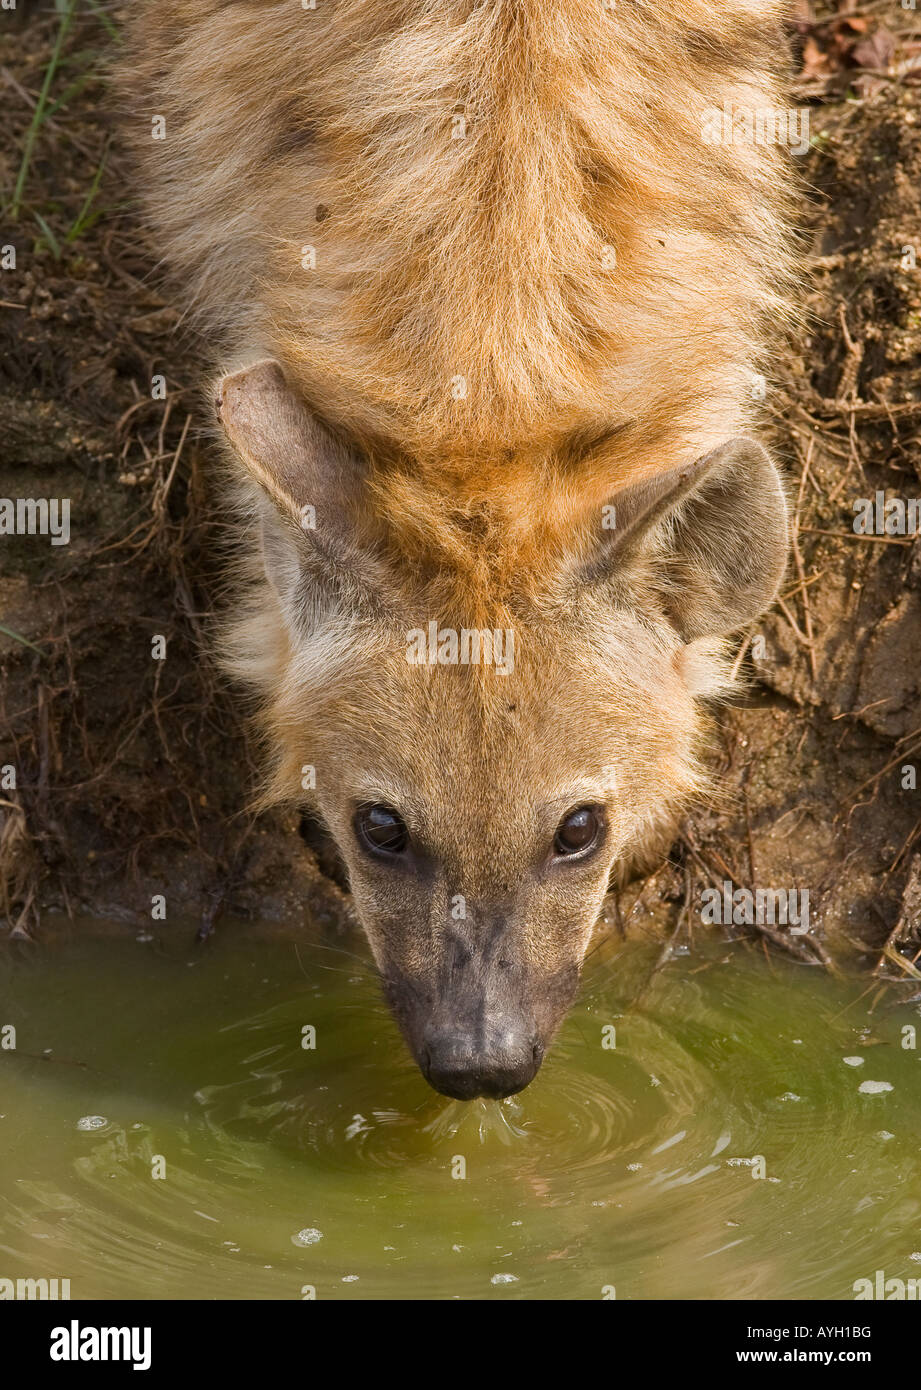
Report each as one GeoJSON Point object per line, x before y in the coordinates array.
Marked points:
{"type": "Point", "coordinates": [335, 1168]}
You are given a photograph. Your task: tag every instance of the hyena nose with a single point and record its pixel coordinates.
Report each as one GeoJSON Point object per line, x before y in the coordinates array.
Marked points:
{"type": "Point", "coordinates": [462, 1068]}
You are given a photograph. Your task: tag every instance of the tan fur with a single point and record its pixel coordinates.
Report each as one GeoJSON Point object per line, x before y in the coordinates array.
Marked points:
{"type": "Point", "coordinates": [467, 376]}
{"type": "Point", "coordinates": [483, 256]}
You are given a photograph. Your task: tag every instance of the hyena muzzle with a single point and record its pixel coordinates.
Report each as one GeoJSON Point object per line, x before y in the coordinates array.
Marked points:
{"type": "Point", "coordinates": [490, 288]}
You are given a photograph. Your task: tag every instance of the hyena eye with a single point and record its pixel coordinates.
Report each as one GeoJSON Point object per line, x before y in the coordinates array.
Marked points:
{"type": "Point", "coordinates": [381, 829]}
{"type": "Point", "coordinates": [579, 831]}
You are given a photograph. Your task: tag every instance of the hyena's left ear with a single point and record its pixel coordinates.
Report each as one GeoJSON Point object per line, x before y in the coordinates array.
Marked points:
{"type": "Point", "coordinates": [314, 482]}
{"type": "Point", "coordinates": [715, 533]}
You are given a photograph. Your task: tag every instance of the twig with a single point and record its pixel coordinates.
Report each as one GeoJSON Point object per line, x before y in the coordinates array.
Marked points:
{"type": "Point", "coordinates": [853, 536]}
{"type": "Point", "coordinates": [798, 561]}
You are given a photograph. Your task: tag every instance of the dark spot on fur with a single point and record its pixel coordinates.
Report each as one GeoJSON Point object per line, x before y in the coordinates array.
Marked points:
{"type": "Point", "coordinates": [295, 133]}
{"type": "Point", "coordinates": [322, 212]}
{"type": "Point", "coordinates": [473, 525]}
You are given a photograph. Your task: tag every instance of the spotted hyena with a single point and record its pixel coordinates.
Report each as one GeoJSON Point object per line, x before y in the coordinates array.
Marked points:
{"type": "Point", "coordinates": [484, 287]}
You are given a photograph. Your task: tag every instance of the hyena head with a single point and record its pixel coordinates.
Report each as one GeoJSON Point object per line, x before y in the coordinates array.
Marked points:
{"type": "Point", "coordinates": [486, 755]}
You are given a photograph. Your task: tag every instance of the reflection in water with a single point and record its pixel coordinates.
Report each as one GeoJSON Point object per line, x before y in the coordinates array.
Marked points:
{"type": "Point", "coordinates": [718, 1139]}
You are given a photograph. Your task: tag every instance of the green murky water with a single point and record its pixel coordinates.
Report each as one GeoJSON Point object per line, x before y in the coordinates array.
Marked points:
{"type": "Point", "coordinates": [337, 1168]}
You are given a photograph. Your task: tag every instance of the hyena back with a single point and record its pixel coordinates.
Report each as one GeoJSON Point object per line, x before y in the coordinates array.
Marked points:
{"type": "Point", "coordinates": [489, 302]}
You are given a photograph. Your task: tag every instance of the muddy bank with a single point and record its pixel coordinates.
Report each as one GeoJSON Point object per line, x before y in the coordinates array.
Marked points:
{"type": "Point", "coordinates": [133, 771]}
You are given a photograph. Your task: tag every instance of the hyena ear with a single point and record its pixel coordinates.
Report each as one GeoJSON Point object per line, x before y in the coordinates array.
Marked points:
{"type": "Point", "coordinates": [717, 530]}
{"type": "Point", "coordinates": [314, 482]}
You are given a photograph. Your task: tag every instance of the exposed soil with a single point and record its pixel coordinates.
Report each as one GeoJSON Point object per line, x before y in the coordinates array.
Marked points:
{"type": "Point", "coordinates": [133, 773]}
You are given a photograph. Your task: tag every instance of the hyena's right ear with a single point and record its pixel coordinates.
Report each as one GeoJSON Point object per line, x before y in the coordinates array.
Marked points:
{"type": "Point", "coordinates": [718, 530]}
{"type": "Point", "coordinates": [314, 482]}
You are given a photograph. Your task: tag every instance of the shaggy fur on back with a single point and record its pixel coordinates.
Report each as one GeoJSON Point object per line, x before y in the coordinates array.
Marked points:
{"type": "Point", "coordinates": [521, 245]}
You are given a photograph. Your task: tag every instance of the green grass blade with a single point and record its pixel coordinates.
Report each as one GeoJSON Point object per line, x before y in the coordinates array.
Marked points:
{"type": "Point", "coordinates": [110, 28]}
{"type": "Point", "coordinates": [66, 11]}
{"type": "Point", "coordinates": [81, 223]}
{"type": "Point", "coordinates": [71, 91]}
{"type": "Point", "coordinates": [49, 236]}
{"type": "Point", "coordinates": [8, 632]}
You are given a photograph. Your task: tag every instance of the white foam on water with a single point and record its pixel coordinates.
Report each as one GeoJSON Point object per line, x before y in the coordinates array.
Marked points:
{"type": "Point", "coordinates": [308, 1236]}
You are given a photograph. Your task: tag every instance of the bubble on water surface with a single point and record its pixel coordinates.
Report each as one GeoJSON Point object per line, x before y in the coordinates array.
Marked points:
{"type": "Point", "coordinates": [91, 1122]}
{"type": "Point", "coordinates": [308, 1236]}
{"type": "Point", "coordinates": [854, 1061]}
{"type": "Point", "coordinates": [874, 1088]}
{"type": "Point", "coordinates": [504, 1279]}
